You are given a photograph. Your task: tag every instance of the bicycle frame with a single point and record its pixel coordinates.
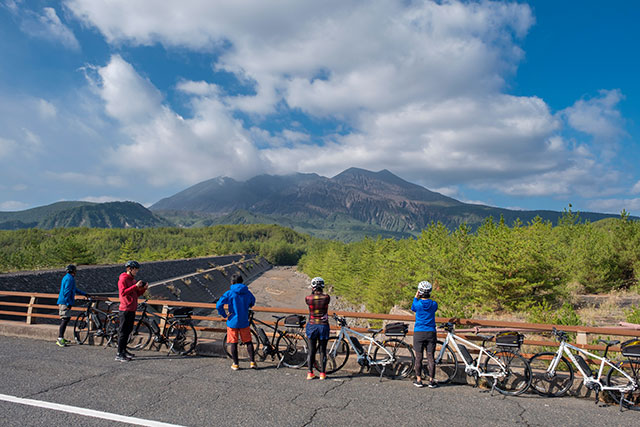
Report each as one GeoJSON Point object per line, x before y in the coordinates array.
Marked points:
{"type": "Point", "coordinates": [345, 331]}
{"type": "Point", "coordinates": [472, 369]}
{"type": "Point", "coordinates": [589, 380]}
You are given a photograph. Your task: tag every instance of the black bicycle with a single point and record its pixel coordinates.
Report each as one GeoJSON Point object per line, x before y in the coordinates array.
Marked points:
{"type": "Point", "coordinates": [95, 323]}
{"type": "Point", "coordinates": [289, 346]}
{"type": "Point", "coordinates": [177, 333]}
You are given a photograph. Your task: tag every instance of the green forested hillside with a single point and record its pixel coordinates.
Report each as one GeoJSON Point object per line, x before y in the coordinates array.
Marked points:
{"type": "Point", "coordinates": [532, 267]}
{"type": "Point", "coordinates": [35, 248]}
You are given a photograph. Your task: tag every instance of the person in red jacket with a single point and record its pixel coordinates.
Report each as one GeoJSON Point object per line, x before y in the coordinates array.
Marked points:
{"type": "Point", "coordinates": [128, 290]}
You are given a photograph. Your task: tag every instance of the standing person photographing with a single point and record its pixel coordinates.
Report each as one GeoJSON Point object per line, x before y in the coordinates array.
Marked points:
{"type": "Point", "coordinates": [128, 290]}
{"type": "Point", "coordinates": [318, 326]}
{"type": "Point", "coordinates": [424, 332]}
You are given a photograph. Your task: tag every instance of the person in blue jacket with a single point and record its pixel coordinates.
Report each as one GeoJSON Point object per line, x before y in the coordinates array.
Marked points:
{"type": "Point", "coordinates": [238, 299]}
{"type": "Point", "coordinates": [67, 297]}
{"type": "Point", "coordinates": [424, 332]}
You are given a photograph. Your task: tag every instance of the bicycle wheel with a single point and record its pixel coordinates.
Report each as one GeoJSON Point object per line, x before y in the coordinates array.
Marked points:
{"type": "Point", "coordinates": [242, 348]}
{"type": "Point", "coordinates": [630, 399]}
{"type": "Point", "coordinates": [516, 369]}
{"type": "Point", "coordinates": [550, 384]}
{"type": "Point", "coordinates": [337, 355]}
{"type": "Point", "coordinates": [293, 348]}
{"type": "Point", "coordinates": [182, 338]}
{"type": "Point", "coordinates": [83, 328]}
{"type": "Point", "coordinates": [403, 359]}
{"type": "Point", "coordinates": [140, 335]}
{"type": "Point", "coordinates": [446, 364]}
{"type": "Point", "coordinates": [111, 330]}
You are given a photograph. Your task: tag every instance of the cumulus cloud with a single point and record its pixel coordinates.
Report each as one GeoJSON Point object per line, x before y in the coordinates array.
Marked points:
{"type": "Point", "coordinates": [636, 188]}
{"type": "Point", "coordinates": [615, 206]}
{"type": "Point", "coordinates": [418, 86]}
{"type": "Point", "coordinates": [13, 205]}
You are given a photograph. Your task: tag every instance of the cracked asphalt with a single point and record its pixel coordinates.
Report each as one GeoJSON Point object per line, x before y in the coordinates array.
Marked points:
{"type": "Point", "coordinates": [197, 391]}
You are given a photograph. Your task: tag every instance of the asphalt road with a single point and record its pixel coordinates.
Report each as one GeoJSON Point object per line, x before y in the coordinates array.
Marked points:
{"type": "Point", "coordinates": [198, 391]}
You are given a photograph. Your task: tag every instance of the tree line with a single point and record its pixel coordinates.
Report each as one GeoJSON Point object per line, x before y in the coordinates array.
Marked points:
{"type": "Point", "coordinates": [533, 268]}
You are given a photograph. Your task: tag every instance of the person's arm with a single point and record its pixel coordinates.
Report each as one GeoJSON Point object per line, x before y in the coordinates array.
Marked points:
{"type": "Point", "coordinates": [131, 290]}
{"type": "Point", "coordinates": [220, 305]}
{"type": "Point", "coordinates": [252, 299]}
{"type": "Point", "coordinates": [414, 304]}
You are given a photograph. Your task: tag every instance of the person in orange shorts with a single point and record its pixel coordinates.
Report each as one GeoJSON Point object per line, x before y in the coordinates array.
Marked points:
{"type": "Point", "coordinates": [239, 300]}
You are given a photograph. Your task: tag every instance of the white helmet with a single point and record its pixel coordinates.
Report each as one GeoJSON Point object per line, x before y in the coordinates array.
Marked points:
{"type": "Point", "coordinates": [317, 283]}
{"type": "Point", "coordinates": [424, 287]}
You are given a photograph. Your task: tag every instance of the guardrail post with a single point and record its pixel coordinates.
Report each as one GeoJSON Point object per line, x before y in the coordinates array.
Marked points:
{"type": "Point", "coordinates": [163, 319]}
{"type": "Point", "coordinates": [30, 319]}
{"type": "Point", "coordinates": [581, 338]}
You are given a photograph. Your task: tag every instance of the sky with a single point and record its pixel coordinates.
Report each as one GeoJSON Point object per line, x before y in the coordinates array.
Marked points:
{"type": "Point", "coordinates": [522, 105]}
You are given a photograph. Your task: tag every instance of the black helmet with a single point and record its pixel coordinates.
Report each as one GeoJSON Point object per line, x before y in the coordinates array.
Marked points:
{"type": "Point", "coordinates": [132, 264]}
{"type": "Point", "coordinates": [71, 268]}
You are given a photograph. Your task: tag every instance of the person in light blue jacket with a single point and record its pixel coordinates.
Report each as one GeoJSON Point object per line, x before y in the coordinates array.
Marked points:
{"type": "Point", "coordinates": [424, 332]}
{"type": "Point", "coordinates": [239, 300]}
{"type": "Point", "coordinates": [66, 299]}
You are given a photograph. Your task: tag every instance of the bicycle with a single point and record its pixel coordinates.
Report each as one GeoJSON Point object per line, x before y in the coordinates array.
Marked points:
{"type": "Point", "coordinates": [177, 333]}
{"type": "Point", "coordinates": [96, 323]}
{"type": "Point", "coordinates": [392, 357]}
{"type": "Point", "coordinates": [290, 347]}
{"type": "Point", "coordinates": [553, 374]}
{"type": "Point", "coordinates": [505, 370]}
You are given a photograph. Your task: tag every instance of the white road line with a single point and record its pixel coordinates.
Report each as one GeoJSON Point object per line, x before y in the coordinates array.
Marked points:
{"type": "Point", "coordinates": [85, 412]}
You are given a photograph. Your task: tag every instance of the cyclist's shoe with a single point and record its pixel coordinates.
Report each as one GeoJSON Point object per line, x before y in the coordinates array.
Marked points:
{"type": "Point", "coordinates": [100, 333]}
{"type": "Point", "coordinates": [253, 365]}
{"type": "Point", "coordinates": [129, 355]}
{"type": "Point", "coordinates": [310, 375]}
{"type": "Point", "coordinates": [323, 376]}
{"type": "Point", "coordinates": [61, 342]}
{"type": "Point", "coordinates": [432, 384]}
{"type": "Point", "coordinates": [235, 367]}
{"type": "Point", "coordinates": [418, 384]}
{"type": "Point", "coordinates": [122, 358]}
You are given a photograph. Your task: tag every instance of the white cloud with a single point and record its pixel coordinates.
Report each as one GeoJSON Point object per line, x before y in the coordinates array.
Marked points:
{"type": "Point", "coordinates": [164, 147]}
{"type": "Point", "coordinates": [46, 109]}
{"type": "Point", "coordinates": [616, 206]}
{"type": "Point", "coordinates": [636, 188]}
{"type": "Point", "coordinates": [7, 146]}
{"type": "Point", "coordinates": [13, 205]}
{"type": "Point", "coordinates": [101, 199]}
{"type": "Point", "coordinates": [45, 25]}
{"type": "Point", "coordinates": [598, 116]}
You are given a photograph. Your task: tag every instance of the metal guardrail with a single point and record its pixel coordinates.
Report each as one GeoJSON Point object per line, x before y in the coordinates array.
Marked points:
{"type": "Point", "coordinates": [582, 332]}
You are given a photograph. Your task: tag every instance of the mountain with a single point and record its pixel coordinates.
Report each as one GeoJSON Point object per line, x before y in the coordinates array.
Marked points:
{"type": "Point", "coordinates": [353, 204]}
{"type": "Point", "coordinates": [83, 214]}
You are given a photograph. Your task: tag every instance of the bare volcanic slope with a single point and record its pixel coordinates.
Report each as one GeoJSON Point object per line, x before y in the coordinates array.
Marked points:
{"type": "Point", "coordinates": [355, 200]}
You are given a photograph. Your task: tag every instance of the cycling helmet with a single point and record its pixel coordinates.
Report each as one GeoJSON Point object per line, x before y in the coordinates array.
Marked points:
{"type": "Point", "coordinates": [424, 287]}
{"type": "Point", "coordinates": [317, 283]}
{"type": "Point", "coordinates": [71, 268]}
{"type": "Point", "coordinates": [132, 264]}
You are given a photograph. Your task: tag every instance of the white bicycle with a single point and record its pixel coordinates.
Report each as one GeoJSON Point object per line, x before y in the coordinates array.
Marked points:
{"type": "Point", "coordinates": [504, 369]}
{"type": "Point", "coordinates": [553, 373]}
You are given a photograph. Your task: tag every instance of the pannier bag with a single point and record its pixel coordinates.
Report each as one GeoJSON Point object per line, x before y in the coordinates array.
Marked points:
{"type": "Point", "coordinates": [396, 329]}
{"type": "Point", "coordinates": [631, 348]}
{"type": "Point", "coordinates": [509, 339]}
{"type": "Point", "coordinates": [181, 311]}
{"type": "Point", "coordinates": [295, 321]}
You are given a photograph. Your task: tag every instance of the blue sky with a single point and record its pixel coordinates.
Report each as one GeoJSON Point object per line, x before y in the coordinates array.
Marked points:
{"type": "Point", "coordinates": [513, 104]}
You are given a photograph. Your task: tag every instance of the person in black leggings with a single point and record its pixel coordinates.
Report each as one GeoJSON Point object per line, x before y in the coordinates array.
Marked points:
{"type": "Point", "coordinates": [424, 332]}
{"type": "Point", "coordinates": [318, 326]}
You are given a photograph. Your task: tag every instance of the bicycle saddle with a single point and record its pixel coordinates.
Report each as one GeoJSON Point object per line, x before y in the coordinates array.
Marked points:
{"type": "Point", "coordinates": [609, 342]}
{"type": "Point", "coordinates": [485, 337]}
{"type": "Point", "coordinates": [110, 303]}
{"type": "Point", "coordinates": [374, 331]}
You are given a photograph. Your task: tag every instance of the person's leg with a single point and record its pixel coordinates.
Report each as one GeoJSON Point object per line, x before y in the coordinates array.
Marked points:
{"type": "Point", "coordinates": [126, 326]}
{"type": "Point", "coordinates": [63, 326]}
{"type": "Point", "coordinates": [323, 357]}
{"type": "Point", "coordinates": [431, 362]}
{"type": "Point", "coordinates": [313, 346]}
{"type": "Point", "coordinates": [232, 342]}
{"type": "Point", "coordinates": [418, 343]}
{"type": "Point", "coordinates": [245, 335]}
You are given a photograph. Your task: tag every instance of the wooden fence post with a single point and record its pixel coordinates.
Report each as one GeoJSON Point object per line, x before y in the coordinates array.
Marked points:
{"type": "Point", "coordinates": [30, 319]}
{"type": "Point", "coordinates": [163, 319]}
{"type": "Point", "coordinates": [581, 338]}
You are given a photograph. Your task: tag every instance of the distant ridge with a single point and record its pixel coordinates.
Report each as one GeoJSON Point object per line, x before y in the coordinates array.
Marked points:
{"type": "Point", "coordinates": [83, 214]}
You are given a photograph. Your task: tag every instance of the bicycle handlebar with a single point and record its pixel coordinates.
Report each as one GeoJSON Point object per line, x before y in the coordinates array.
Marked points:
{"type": "Point", "coordinates": [560, 335]}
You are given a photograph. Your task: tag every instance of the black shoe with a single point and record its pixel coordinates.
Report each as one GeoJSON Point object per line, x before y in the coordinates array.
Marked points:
{"type": "Point", "coordinates": [432, 384]}
{"type": "Point", "coordinates": [418, 384]}
{"type": "Point", "coordinates": [129, 355]}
